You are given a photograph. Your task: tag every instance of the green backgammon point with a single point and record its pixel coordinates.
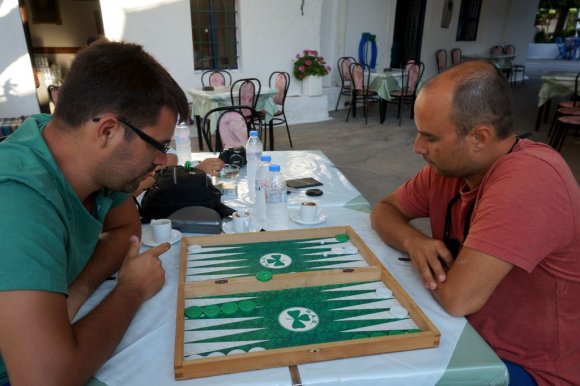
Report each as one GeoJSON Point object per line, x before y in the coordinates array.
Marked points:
{"type": "Point", "coordinates": [229, 308]}
{"type": "Point", "coordinates": [413, 330]}
{"type": "Point", "coordinates": [264, 275]}
{"type": "Point", "coordinates": [247, 306]}
{"type": "Point", "coordinates": [396, 332]}
{"type": "Point", "coordinates": [211, 311]}
{"type": "Point", "coordinates": [359, 336]}
{"type": "Point", "coordinates": [342, 237]}
{"type": "Point", "coordinates": [193, 312]}
{"type": "Point", "coordinates": [378, 334]}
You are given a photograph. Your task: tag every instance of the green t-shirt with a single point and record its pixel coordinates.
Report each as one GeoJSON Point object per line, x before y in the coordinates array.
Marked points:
{"type": "Point", "coordinates": [47, 234]}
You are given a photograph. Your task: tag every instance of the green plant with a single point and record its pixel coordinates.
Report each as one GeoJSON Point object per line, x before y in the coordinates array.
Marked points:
{"type": "Point", "coordinates": [310, 63]}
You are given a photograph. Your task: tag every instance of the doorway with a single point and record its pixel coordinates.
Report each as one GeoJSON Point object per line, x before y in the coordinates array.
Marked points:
{"type": "Point", "coordinates": [54, 31]}
{"type": "Point", "coordinates": [408, 32]}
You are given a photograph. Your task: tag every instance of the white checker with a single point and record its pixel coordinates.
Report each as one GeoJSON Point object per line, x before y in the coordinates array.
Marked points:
{"type": "Point", "coordinates": [384, 293]}
{"type": "Point", "coordinates": [399, 312]}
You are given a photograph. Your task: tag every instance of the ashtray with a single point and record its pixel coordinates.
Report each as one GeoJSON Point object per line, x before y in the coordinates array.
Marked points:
{"type": "Point", "coordinates": [229, 172]}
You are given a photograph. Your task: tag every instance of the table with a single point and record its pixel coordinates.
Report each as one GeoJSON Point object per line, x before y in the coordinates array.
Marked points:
{"type": "Point", "coordinates": [145, 354]}
{"type": "Point", "coordinates": [338, 191]}
{"type": "Point", "coordinates": [383, 84]}
{"type": "Point", "coordinates": [204, 101]}
{"type": "Point", "coordinates": [554, 83]}
{"type": "Point", "coordinates": [503, 62]}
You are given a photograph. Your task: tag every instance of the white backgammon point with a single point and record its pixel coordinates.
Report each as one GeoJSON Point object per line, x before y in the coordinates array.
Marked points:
{"type": "Point", "coordinates": [337, 250]}
{"type": "Point", "coordinates": [194, 248]}
{"type": "Point", "coordinates": [399, 312]}
{"type": "Point", "coordinates": [384, 293]}
{"type": "Point", "coordinates": [351, 249]}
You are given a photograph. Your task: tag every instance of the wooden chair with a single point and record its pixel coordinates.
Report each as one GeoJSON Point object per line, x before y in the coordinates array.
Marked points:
{"type": "Point", "coordinates": [361, 75]}
{"type": "Point", "coordinates": [343, 67]}
{"type": "Point", "coordinates": [441, 60]}
{"type": "Point", "coordinates": [412, 72]}
{"type": "Point", "coordinates": [281, 81]}
{"type": "Point", "coordinates": [455, 56]}
{"type": "Point", "coordinates": [216, 78]}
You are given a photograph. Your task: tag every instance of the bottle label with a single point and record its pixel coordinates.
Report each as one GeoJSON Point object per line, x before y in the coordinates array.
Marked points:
{"type": "Point", "coordinates": [276, 197]}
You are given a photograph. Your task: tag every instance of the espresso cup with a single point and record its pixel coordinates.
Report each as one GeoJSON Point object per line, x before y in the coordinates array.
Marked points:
{"type": "Point", "coordinates": [161, 230]}
{"type": "Point", "coordinates": [309, 210]}
{"type": "Point", "coordinates": [242, 221]}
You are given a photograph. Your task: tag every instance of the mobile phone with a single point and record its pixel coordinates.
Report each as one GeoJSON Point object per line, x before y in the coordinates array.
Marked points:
{"type": "Point", "coordinates": [306, 182]}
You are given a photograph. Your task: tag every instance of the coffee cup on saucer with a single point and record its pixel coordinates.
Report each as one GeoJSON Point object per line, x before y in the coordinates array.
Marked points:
{"type": "Point", "coordinates": [309, 210]}
{"type": "Point", "coordinates": [242, 220]}
{"type": "Point", "coordinates": [161, 230]}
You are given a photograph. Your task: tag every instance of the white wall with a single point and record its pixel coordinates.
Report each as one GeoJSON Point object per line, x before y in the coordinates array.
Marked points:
{"type": "Point", "coordinates": [18, 91]}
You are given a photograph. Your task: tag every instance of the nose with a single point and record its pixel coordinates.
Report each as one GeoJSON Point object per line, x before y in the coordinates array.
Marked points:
{"type": "Point", "coordinates": [419, 145]}
{"type": "Point", "coordinates": [160, 158]}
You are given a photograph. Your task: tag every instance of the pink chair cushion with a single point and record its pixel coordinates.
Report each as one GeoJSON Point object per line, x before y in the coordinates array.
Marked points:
{"type": "Point", "coordinates": [358, 77]}
{"type": "Point", "coordinates": [233, 130]}
{"type": "Point", "coordinates": [247, 91]}
{"type": "Point", "coordinates": [216, 80]}
{"type": "Point", "coordinates": [346, 69]}
{"type": "Point", "coordinates": [280, 87]}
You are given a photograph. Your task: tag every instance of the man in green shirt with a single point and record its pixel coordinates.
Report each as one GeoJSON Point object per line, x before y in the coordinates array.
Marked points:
{"type": "Point", "coordinates": [66, 222]}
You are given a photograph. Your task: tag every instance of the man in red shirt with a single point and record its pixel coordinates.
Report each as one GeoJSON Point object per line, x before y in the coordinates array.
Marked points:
{"type": "Point", "coordinates": [505, 219]}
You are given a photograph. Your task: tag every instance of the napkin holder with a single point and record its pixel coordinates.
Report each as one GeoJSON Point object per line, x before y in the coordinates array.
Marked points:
{"type": "Point", "coordinates": [196, 219]}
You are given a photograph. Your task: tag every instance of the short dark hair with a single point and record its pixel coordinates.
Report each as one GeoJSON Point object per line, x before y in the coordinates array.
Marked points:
{"type": "Point", "coordinates": [482, 95]}
{"type": "Point", "coordinates": [120, 78]}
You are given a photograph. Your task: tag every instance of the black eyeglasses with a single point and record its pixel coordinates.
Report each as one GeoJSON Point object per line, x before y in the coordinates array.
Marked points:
{"type": "Point", "coordinates": [162, 147]}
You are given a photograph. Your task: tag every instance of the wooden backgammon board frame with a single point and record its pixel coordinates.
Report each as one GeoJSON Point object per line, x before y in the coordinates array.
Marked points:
{"type": "Point", "coordinates": [429, 336]}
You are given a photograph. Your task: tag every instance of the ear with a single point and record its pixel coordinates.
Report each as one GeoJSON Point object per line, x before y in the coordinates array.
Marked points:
{"type": "Point", "coordinates": [107, 132]}
{"type": "Point", "coordinates": [480, 137]}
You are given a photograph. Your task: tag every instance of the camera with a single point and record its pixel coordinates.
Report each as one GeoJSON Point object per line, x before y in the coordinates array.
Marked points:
{"type": "Point", "coordinates": [234, 156]}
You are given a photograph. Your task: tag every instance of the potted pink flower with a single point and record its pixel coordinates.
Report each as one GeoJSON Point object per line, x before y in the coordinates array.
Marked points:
{"type": "Point", "coordinates": [310, 68]}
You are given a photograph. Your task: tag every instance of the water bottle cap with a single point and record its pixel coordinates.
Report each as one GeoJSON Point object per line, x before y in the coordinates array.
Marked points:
{"type": "Point", "coordinates": [253, 133]}
{"type": "Point", "coordinates": [274, 168]}
{"type": "Point", "coordinates": [266, 157]}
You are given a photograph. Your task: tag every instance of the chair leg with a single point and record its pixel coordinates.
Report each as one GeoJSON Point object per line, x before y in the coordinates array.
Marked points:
{"type": "Point", "coordinates": [348, 114]}
{"type": "Point", "coordinates": [338, 100]}
{"type": "Point", "coordinates": [271, 130]}
{"type": "Point", "coordinates": [199, 137]}
{"type": "Point", "coordinates": [287, 130]}
{"type": "Point", "coordinates": [400, 110]}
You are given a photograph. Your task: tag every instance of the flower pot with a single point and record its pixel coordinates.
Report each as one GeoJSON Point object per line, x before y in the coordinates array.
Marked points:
{"type": "Point", "coordinates": [312, 86]}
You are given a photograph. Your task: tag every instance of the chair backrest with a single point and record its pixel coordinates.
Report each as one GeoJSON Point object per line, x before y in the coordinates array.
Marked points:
{"type": "Point", "coordinates": [455, 56]}
{"type": "Point", "coordinates": [412, 72]}
{"type": "Point", "coordinates": [496, 50]}
{"type": "Point", "coordinates": [441, 59]}
{"type": "Point", "coordinates": [343, 66]}
{"type": "Point", "coordinates": [360, 74]}
{"type": "Point", "coordinates": [509, 49]}
{"type": "Point", "coordinates": [216, 78]}
{"type": "Point", "coordinates": [248, 91]}
{"type": "Point", "coordinates": [231, 129]}
{"type": "Point", "coordinates": [53, 93]}
{"type": "Point", "coordinates": [281, 81]}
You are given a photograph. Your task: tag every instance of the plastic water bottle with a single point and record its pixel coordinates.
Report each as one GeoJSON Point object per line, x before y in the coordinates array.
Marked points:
{"type": "Point", "coordinates": [276, 199]}
{"type": "Point", "coordinates": [182, 143]}
{"type": "Point", "coordinates": [253, 153]}
{"type": "Point", "coordinates": [261, 174]}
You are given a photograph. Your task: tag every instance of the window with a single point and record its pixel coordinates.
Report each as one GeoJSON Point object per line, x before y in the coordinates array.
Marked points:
{"type": "Point", "coordinates": [213, 25]}
{"type": "Point", "coordinates": [468, 20]}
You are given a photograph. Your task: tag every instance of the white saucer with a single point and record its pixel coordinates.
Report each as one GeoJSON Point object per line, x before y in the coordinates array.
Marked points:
{"type": "Point", "coordinates": [228, 227]}
{"type": "Point", "coordinates": [295, 216]}
{"type": "Point", "coordinates": [147, 238]}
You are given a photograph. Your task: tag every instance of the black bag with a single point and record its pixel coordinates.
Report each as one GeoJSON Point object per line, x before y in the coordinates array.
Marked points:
{"type": "Point", "coordinates": [176, 187]}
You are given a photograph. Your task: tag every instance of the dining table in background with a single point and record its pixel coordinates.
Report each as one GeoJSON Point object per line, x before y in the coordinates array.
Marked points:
{"type": "Point", "coordinates": [383, 83]}
{"type": "Point", "coordinates": [145, 355]}
{"type": "Point", "coordinates": [554, 83]}
{"type": "Point", "coordinates": [205, 100]}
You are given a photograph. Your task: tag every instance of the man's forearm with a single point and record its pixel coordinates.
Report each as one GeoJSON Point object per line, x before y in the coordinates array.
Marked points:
{"type": "Point", "coordinates": [393, 227]}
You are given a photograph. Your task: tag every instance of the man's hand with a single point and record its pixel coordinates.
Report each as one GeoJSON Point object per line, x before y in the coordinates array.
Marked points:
{"type": "Point", "coordinates": [427, 256]}
{"type": "Point", "coordinates": [211, 166]}
{"type": "Point", "coordinates": [142, 273]}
